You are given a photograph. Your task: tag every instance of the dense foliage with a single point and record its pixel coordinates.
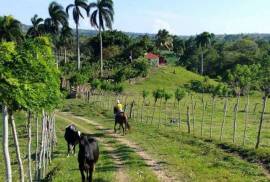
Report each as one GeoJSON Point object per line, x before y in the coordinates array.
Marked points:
{"type": "Point", "coordinates": [29, 78]}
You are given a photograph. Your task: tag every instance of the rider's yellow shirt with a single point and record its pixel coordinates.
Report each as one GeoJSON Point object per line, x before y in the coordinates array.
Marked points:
{"type": "Point", "coordinates": [120, 107]}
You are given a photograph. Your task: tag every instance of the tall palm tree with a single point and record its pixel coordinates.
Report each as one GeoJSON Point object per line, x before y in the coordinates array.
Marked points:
{"type": "Point", "coordinates": [10, 29]}
{"type": "Point", "coordinates": [76, 17]}
{"type": "Point", "coordinates": [203, 41]}
{"type": "Point", "coordinates": [100, 18]}
{"type": "Point", "coordinates": [37, 27]}
{"type": "Point", "coordinates": [58, 18]}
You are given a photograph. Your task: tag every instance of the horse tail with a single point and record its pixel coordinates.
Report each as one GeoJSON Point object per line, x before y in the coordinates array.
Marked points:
{"type": "Point", "coordinates": [128, 126]}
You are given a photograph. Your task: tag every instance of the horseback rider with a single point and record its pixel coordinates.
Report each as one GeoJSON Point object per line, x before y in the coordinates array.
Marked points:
{"type": "Point", "coordinates": [119, 107]}
{"type": "Point", "coordinates": [120, 117]}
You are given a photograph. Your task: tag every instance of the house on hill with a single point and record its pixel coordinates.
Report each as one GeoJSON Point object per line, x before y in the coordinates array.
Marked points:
{"type": "Point", "coordinates": [155, 60]}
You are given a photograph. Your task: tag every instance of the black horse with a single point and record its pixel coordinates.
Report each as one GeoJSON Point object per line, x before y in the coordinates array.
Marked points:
{"type": "Point", "coordinates": [87, 157]}
{"type": "Point", "coordinates": [122, 119]}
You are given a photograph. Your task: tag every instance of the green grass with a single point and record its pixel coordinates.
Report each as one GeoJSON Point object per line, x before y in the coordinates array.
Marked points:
{"type": "Point", "coordinates": [66, 169]}
{"type": "Point", "coordinates": [184, 156]}
{"type": "Point", "coordinates": [61, 168]}
{"type": "Point", "coordinates": [168, 77]}
{"type": "Point", "coordinates": [172, 113]}
{"type": "Point", "coordinates": [134, 167]}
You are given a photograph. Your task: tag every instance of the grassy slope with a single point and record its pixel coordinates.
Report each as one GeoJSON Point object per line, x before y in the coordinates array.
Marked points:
{"type": "Point", "coordinates": [184, 156]}
{"type": "Point", "coordinates": [168, 77]}
{"type": "Point", "coordinates": [164, 77]}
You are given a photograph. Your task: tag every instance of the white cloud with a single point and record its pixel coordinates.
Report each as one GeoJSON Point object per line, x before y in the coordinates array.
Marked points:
{"type": "Point", "coordinates": [162, 24]}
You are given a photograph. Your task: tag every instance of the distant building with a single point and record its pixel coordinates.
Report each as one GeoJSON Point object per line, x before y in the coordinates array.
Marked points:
{"type": "Point", "coordinates": [155, 60]}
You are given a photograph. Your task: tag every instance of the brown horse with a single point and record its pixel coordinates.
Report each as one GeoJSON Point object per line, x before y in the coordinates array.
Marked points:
{"type": "Point", "coordinates": [121, 119]}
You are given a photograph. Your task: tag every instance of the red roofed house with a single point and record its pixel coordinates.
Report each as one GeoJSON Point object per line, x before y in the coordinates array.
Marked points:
{"type": "Point", "coordinates": [155, 60]}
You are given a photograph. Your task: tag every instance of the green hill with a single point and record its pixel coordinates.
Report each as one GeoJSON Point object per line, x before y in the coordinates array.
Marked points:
{"type": "Point", "coordinates": [168, 78]}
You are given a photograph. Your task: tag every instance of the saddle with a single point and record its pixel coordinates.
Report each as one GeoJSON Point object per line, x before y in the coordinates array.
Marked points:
{"type": "Point", "coordinates": [119, 113]}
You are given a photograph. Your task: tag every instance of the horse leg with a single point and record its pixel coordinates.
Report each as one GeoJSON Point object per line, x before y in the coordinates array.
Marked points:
{"type": "Point", "coordinates": [91, 173]}
{"type": "Point", "coordinates": [68, 149]}
{"type": "Point", "coordinates": [74, 150]}
{"type": "Point", "coordinates": [87, 175]}
{"type": "Point", "coordinates": [123, 128]}
{"type": "Point", "coordinates": [82, 174]}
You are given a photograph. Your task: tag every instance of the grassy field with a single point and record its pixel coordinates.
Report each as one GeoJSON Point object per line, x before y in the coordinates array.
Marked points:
{"type": "Point", "coordinates": [200, 126]}
{"type": "Point", "coordinates": [183, 156]}
{"type": "Point", "coordinates": [66, 169]}
{"type": "Point", "coordinates": [169, 78]}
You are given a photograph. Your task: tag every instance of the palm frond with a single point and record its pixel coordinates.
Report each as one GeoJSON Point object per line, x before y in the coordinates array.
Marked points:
{"type": "Point", "coordinates": [93, 19]}
{"type": "Point", "coordinates": [76, 15]}
{"type": "Point", "coordinates": [100, 19]}
{"type": "Point", "coordinates": [91, 5]}
{"type": "Point", "coordinates": [68, 7]}
{"type": "Point", "coordinates": [108, 20]}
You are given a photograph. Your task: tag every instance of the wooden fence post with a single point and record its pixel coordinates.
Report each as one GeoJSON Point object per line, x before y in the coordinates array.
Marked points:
{"type": "Point", "coordinates": [188, 119]}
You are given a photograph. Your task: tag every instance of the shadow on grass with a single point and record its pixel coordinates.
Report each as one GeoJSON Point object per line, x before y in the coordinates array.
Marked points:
{"type": "Point", "coordinates": [100, 180]}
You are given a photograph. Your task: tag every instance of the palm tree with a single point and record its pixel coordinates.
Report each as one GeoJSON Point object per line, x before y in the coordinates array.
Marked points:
{"type": "Point", "coordinates": [37, 27]}
{"type": "Point", "coordinates": [203, 41]}
{"type": "Point", "coordinates": [58, 17]}
{"type": "Point", "coordinates": [164, 40]}
{"type": "Point", "coordinates": [76, 17]}
{"type": "Point", "coordinates": [10, 29]}
{"type": "Point", "coordinates": [65, 39]}
{"type": "Point", "coordinates": [101, 18]}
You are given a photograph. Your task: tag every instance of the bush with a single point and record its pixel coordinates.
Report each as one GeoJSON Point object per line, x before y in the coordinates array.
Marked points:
{"type": "Point", "coordinates": [95, 84]}
{"type": "Point", "coordinates": [199, 86]}
{"type": "Point", "coordinates": [158, 94]}
{"type": "Point", "coordinates": [118, 88]}
{"type": "Point", "coordinates": [141, 67]}
{"type": "Point", "coordinates": [179, 94]}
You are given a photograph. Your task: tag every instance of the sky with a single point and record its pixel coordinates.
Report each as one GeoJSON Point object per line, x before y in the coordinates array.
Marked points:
{"type": "Point", "coordinates": [179, 17]}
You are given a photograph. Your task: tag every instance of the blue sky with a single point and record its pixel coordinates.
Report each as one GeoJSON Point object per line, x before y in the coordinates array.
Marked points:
{"type": "Point", "coordinates": [181, 17]}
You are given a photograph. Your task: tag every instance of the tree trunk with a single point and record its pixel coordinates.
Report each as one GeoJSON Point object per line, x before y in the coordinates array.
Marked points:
{"type": "Point", "coordinates": [37, 147]}
{"type": "Point", "coordinates": [29, 147]}
{"type": "Point", "coordinates": [101, 53]}
{"type": "Point", "coordinates": [246, 119]}
{"type": "Point", "coordinates": [224, 118]}
{"type": "Point", "coordinates": [41, 152]}
{"type": "Point", "coordinates": [78, 47]}
{"type": "Point", "coordinates": [202, 62]}
{"type": "Point", "coordinates": [17, 146]}
{"type": "Point", "coordinates": [235, 117]}
{"type": "Point", "coordinates": [261, 121]}
{"type": "Point", "coordinates": [5, 143]}
{"type": "Point", "coordinates": [188, 119]}
{"type": "Point", "coordinates": [212, 115]}
{"type": "Point", "coordinates": [65, 52]}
